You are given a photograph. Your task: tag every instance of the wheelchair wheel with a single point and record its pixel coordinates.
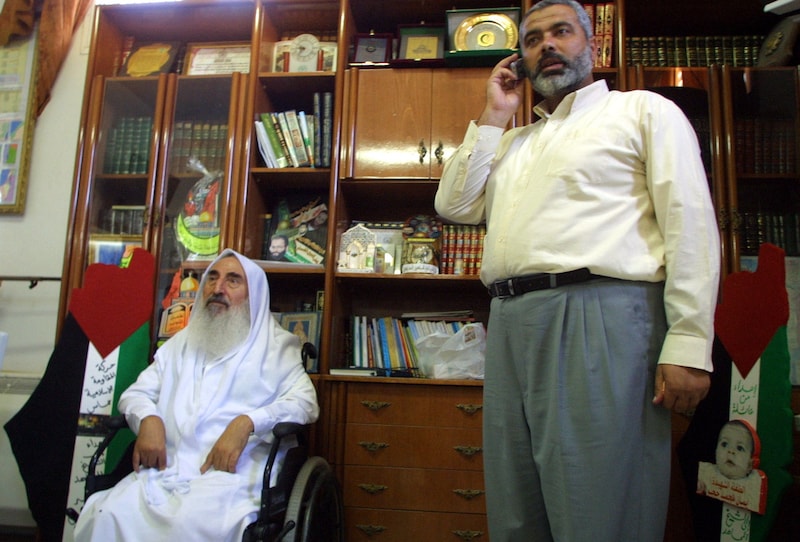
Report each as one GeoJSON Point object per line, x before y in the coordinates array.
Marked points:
{"type": "Point", "coordinates": [315, 504]}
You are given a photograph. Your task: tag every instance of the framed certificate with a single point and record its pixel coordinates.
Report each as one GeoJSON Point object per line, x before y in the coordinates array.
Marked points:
{"type": "Point", "coordinates": [217, 58]}
{"type": "Point", "coordinates": [423, 42]}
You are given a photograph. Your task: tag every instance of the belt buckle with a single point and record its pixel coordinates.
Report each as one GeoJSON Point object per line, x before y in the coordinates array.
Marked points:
{"type": "Point", "coordinates": [510, 284]}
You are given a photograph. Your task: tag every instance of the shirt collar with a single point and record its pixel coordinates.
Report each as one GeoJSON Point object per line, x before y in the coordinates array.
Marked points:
{"type": "Point", "coordinates": [573, 101]}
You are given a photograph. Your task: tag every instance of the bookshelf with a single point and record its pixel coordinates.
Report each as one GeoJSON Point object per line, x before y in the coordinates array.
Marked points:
{"type": "Point", "coordinates": [391, 128]}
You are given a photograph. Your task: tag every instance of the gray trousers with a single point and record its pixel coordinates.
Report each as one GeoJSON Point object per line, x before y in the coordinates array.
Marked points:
{"type": "Point", "coordinates": [574, 449]}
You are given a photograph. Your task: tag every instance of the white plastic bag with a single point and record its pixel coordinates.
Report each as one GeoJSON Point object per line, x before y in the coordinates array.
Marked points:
{"type": "Point", "coordinates": [453, 356]}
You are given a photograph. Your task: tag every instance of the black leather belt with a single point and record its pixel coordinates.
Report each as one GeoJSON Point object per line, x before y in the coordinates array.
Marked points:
{"type": "Point", "coordinates": [538, 281]}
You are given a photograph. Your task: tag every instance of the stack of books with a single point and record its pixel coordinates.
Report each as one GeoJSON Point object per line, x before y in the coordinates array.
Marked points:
{"type": "Point", "coordinates": [390, 343]}
{"type": "Point", "coordinates": [294, 138]}
{"type": "Point", "coordinates": [128, 147]}
{"type": "Point", "coordinates": [693, 51]}
{"type": "Point", "coordinates": [462, 249]}
{"type": "Point", "coordinates": [200, 139]}
{"type": "Point", "coordinates": [603, 14]}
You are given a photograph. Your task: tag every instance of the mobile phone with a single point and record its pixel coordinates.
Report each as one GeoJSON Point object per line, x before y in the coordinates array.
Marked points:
{"type": "Point", "coordinates": [519, 68]}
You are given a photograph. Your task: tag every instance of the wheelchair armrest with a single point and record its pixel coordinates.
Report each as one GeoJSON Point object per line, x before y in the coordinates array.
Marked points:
{"type": "Point", "coordinates": [115, 423]}
{"type": "Point", "coordinates": [94, 481]}
{"type": "Point", "coordinates": [285, 429]}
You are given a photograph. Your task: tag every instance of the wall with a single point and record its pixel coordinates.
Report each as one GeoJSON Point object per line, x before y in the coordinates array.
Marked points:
{"type": "Point", "coordinates": [32, 244]}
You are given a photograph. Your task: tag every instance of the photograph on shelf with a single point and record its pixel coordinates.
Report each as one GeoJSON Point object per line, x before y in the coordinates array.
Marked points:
{"type": "Point", "coordinates": [299, 230]}
{"type": "Point", "coordinates": [306, 326]}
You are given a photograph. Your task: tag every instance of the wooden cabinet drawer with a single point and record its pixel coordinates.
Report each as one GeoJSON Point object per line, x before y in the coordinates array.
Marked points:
{"type": "Point", "coordinates": [440, 406]}
{"type": "Point", "coordinates": [376, 525]}
{"type": "Point", "coordinates": [414, 489]}
{"type": "Point", "coordinates": [422, 447]}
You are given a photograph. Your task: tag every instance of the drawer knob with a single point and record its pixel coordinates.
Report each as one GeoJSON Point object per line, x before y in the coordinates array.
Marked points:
{"type": "Point", "coordinates": [373, 489]}
{"type": "Point", "coordinates": [371, 529]}
{"type": "Point", "coordinates": [469, 494]}
{"type": "Point", "coordinates": [468, 535]}
{"type": "Point", "coordinates": [468, 408]}
{"type": "Point", "coordinates": [373, 446]}
{"type": "Point", "coordinates": [468, 451]}
{"type": "Point", "coordinates": [376, 405]}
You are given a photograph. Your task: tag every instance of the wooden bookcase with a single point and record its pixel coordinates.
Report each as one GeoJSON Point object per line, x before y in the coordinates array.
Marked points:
{"type": "Point", "coordinates": [391, 130]}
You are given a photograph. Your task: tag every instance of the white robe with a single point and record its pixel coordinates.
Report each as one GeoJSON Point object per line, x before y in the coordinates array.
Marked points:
{"type": "Point", "coordinates": [264, 379]}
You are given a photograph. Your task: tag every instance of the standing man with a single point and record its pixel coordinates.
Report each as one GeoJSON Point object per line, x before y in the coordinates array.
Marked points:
{"type": "Point", "coordinates": [203, 413]}
{"type": "Point", "coordinates": [602, 260]}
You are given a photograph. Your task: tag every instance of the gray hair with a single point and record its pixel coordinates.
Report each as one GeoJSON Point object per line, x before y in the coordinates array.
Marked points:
{"type": "Point", "coordinates": [583, 18]}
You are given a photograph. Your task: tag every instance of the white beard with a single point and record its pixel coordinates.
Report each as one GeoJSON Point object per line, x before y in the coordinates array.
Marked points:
{"type": "Point", "coordinates": [218, 333]}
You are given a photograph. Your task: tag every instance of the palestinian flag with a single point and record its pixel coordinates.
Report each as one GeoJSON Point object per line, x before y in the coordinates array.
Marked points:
{"type": "Point", "coordinates": [751, 383]}
{"type": "Point", "coordinates": [104, 344]}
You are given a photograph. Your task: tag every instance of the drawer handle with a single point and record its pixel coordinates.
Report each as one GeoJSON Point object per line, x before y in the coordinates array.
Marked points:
{"type": "Point", "coordinates": [376, 405]}
{"type": "Point", "coordinates": [373, 446]}
{"type": "Point", "coordinates": [468, 408]}
{"type": "Point", "coordinates": [371, 529]}
{"type": "Point", "coordinates": [373, 489]}
{"type": "Point", "coordinates": [469, 494]}
{"type": "Point", "coordinates": [422, 151]}
{"type": "Point", "coordinates": [468, 451]}
{"type": "Point", "coordinates": [439, 154]}
{"type": "Point", "coordinates": [468, 535]}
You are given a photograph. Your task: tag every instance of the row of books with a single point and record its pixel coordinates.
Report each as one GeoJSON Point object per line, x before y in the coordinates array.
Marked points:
{"type": "Point", "coordinates": [781, 229]}
{"type": "Point", "coordinates": [294, 138]}
{"type": "Point", "coordinates": [391, 343]}
{"type": "Point", "coordinates": [462, 249]}
{"type": "Point", "coordinates": [201, 139]}
{"type": "Point", "coordinates": [603, 14]}
{"type": "Point", "coordinates": [128, 146]}
{"type": "Point", "coordinates": [765, 146]}
{"type": "Point", "coordinates": [693, 51]}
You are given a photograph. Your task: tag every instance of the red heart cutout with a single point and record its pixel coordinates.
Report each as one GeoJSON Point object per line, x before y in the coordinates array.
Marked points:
{"type": "Point", "coordinates": [115, 301]}
{"type": "Point", "coordinates": [754, 305]}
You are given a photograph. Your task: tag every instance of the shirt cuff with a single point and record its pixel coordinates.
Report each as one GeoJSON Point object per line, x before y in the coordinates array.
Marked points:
{"type": "Point", "coordinates": [687, 351]}
{"type": "Point", "coordinates": [487, 138]}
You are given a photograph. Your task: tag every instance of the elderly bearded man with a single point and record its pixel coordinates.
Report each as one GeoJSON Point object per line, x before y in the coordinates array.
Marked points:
{"type": "Point", "coordinates": [203, 413]}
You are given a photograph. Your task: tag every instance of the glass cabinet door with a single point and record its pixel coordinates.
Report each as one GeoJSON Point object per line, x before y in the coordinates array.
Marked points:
{"type": "Point", "coordinates": [761, 114]}
{"type": "Point", "coordinates": [194, 183]}
{"type": "Point", "coordinates": [696, 91]}
{"type": "Point", "coordinates": [122, 167]}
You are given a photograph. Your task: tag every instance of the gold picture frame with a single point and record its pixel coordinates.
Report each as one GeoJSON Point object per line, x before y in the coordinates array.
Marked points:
{"type": "Point", "coordinates": [217, 58]}
{"type": "Point", "coordinates": [17, 96]}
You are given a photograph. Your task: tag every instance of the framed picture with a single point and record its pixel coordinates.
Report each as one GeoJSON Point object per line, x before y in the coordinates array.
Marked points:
{"type": "Point", "coordinates": [373, 48]}
{"type": "Point", "coordinates": [306, 326]}
{"type": "Point", "coordinates": [217, 58]}
{"type": "Point", "coordinates": [18, 98]}
{"type": "Point", "coordinates": [421, 42]}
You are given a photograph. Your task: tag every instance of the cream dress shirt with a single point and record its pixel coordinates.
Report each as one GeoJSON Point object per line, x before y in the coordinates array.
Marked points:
{"type": "Point", "coordinates": [610, 180]}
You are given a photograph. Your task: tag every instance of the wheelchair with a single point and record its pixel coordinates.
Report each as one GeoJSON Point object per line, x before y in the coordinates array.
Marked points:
{"type": "Point", "coordinates": [304, 505]}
